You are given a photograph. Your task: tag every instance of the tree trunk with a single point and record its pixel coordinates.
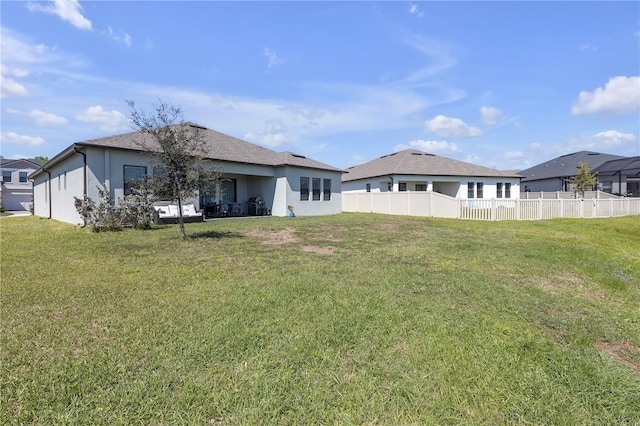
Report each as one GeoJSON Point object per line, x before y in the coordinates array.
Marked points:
{"type": "Point", "coordinates": [181, 218]}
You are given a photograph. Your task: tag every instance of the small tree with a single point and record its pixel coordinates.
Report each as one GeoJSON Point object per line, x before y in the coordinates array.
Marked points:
{"type": "Point", "coordinates": [584, 180]}
{"type": "Point", "coordinates": [178, 150]}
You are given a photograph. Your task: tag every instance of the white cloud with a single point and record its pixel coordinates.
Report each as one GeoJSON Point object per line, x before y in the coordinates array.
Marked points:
{"type": "Point", "coordinates": [108, 120]}
{"type": "Point", "coordinates": [47, 118]}
{"type": "Point", "coordinates": [433, 147]}
{"type": "Point", "coordinates": [614, 138]}
{"type": "Point", "coordinates": [274, 134]}
{"type": "Point", "coordinates": [272, 57]}
{"type": "Point", "coordinates": [67, 10]}
{"type": "Point", "coordinates": [439, 55]}
{"type": "Point", "coordinates": [9, 87]}
{"type": "Point", "coordinates": [119, 36]}
{"type": "Point", "coordinates": [534, 146]}
{"type": "Point", "coordinates": [42, 118]}
{"type": "Point", "coordinates": [600, 142]}
{"type": "Point", "coordinates": [513, 155]}
{"type": "Point", "coordinates": [451, 127]}
{"type": "Point", "coordinates": [415, 10]}
{"type": "Point", "coordinates": [490, 115]}
{"type": "Point", "coordinates": [21, 140]}
{"type": "Point", "coordinates": [16, 51]}
{"type": "Point", "coordinates": [589, 47]}
{"type": "Point", "coordinates": [620, 95]}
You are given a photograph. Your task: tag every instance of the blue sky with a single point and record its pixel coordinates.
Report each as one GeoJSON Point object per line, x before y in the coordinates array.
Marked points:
{"type": "Point", "coordinates": [505, 85]}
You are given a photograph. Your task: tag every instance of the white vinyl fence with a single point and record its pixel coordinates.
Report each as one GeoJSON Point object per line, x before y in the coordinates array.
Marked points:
{"type": "Point", "coordinates": [437, 205]}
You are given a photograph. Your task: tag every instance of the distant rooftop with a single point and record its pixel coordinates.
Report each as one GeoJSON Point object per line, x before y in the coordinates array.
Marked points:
{"type": "Point", "coordinates": [414, 162]}
{"type": "Point", "coordinates": [566, 165]}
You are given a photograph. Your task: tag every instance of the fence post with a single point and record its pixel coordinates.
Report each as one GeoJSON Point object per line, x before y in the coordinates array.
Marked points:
{"type": "Point", "coordinates": [610, 207]}
{"type": "Point", "coordinates": [540, 208]}
{"type": "Point", "coordinates": [493, 209]}
{"type": "Point", "coordinates": [561, 208]}
{"type": "Point", "coordinates": [518, 201]}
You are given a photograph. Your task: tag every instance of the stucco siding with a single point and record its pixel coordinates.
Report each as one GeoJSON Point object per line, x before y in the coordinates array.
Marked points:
{"type": "Point", "coordinates": [55, 195]}
{"type": "Point", "coordinates": [313, 207]}
{"type": "Point", "coordinates": [453, 186]}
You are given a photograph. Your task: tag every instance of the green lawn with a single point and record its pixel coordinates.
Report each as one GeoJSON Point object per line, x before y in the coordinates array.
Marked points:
{"type": "Point", "coordinates": [347, 319]}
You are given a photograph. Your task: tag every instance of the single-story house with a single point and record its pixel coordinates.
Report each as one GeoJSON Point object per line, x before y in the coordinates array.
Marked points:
{"type": "Point", "coordinates": [555, 175]}
{"type": "Point", "coordinates": [621, 177]}
{"type": "Point", "coordinates": [413, 170]}
{"type": "Point", "coordinates": [249, 172]}
{"type": "Point", "coordinates": [16, 189]}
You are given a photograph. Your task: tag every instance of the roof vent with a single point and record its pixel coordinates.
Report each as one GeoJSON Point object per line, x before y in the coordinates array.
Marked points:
{"type": "Point", "coordinates": [416, 153]}
{"type": "Point", "coordinates": [298, 155]}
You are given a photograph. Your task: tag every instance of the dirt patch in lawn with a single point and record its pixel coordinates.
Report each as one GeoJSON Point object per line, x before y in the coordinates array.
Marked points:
{"type": "Point", "coordinates": [626, 353]}
{"type": "Point", "coordinates": [286, 236]}
{"type": "Point", "coordinates": [319, 250]}
{"type": "Point", "coordinates": [564, 283]}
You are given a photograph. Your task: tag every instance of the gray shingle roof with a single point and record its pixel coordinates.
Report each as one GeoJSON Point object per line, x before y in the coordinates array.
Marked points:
{"type": "Point", "coordinates": [414, 162]}
{"type": "Point", "coordinates": [219, 147]}
{"type": "Point", "coordinates": [566, 165]}
{"type": "Point", "coordinates": [22, 163]}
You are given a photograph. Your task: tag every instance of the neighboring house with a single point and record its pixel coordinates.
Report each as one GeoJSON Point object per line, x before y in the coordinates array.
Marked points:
{"type": "Point", "coordinates": [16, 187]}
{"type": "Point", "coordinates": [413, 170]}
{"type": "Point", "coordinates": [620, 177]}
{"type": "Point", "coordinates": [555, 175]}
{"type": "Point", "coordinates": [248, 171]}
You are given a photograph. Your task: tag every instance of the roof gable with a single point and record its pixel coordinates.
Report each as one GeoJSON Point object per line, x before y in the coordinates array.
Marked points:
{"type": "Point", "coordinates": [566, 165]}
{"type": "Point", "coordinates": [414, 162]}
{"type": "Point", "coordinates": [21, 164]}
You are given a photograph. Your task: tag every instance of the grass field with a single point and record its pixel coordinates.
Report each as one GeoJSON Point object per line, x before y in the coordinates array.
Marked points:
{"type": "Point", "coordinates": [347, 319]}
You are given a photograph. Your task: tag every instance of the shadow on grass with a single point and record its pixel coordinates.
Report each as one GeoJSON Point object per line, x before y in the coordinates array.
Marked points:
{"type": "Point", "coordinates": [214, 235]}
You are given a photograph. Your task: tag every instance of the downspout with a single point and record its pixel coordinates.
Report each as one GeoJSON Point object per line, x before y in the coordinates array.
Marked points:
{"type": "Point", "coordinates": [84, 178]}
{"type": "Point", "coordinates": [84, 170]}
{"type": "Point", "coordinates": [391, 177]}
{"type": "Point", "coordinates": [33, 199]}
{"type": "Point", "coordinates": [49, 190]}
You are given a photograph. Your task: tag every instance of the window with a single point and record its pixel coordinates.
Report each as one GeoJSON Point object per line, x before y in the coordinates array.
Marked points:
{"type": "Point", "coordinates": [499, 189]}
{"type": "Point", "coordinates": [304, 189]}
{"type": "Point", "coordinates": [471, 193]}
{"type": "Point", "coordinates": [480, 191]}
{"type": "Point", "coordinates": [368, 187]}
{"type": "Point", "coordinates": [315, 182]}
{"type": "Point", "coordinates": [326, 188]}
{"type": "Point", "coordinates": [133, 174]}
{"type": "Point", "coordinates": [607, 186]}
{"type": "Point", "coordinates": [421, 186]}
{"type": "Point", "coordinates": [402, 186]}
{"type": "Point", "coordinates": [23, 177]}
{"type": "Point", "coordinates": [6, 176]}
{"type": "Point", "coordinates": [507, 190]}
